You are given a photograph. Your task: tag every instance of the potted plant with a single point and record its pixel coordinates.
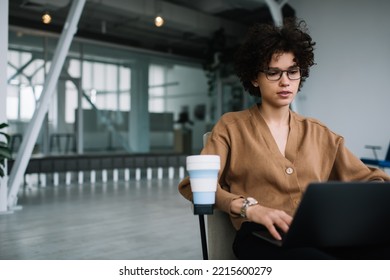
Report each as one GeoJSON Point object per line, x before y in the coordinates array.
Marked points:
{"type": "Point", "coordinates": [5, 152]}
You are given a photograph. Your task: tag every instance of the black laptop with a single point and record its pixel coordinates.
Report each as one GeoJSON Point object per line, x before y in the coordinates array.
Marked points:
{"type": "Point", "coordinates": [339, 214]}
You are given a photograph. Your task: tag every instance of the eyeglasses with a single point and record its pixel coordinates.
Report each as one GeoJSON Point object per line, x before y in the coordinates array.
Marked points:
{"type": "Point", "coordinates": [274, 74]}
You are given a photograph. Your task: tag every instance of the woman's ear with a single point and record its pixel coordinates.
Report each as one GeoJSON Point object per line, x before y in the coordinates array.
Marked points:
{"type": "Point", "coordinates": [255, 83]}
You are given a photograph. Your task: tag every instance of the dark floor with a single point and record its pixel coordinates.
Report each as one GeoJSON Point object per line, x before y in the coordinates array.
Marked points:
{"type": "Point", "coordinates": [145, 219]}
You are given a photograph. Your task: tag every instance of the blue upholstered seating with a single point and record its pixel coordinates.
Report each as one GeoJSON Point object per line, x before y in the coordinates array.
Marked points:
{"type": "Point", "coordinates": [375, 161]}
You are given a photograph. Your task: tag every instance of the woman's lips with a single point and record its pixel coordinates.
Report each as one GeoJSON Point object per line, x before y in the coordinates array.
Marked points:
{"type": "Point", "coordinates": [284, 93]}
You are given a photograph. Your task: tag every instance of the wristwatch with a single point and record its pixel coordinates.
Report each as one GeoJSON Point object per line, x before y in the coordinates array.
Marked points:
{"type": "Point", "coordinates": [249, 201]}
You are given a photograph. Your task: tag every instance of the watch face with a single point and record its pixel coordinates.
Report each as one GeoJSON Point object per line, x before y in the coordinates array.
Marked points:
{"type": "Point", "coordinates": [251, 201]}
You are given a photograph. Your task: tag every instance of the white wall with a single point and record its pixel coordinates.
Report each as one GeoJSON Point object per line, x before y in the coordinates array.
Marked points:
{"type": "Point", "coordinates": [3, 89]}
{"type": "Point", "coordinates": [349, 88]}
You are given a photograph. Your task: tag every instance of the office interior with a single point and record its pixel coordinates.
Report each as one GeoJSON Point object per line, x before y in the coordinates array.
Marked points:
{"type": "Point", "coordinates": [131, 100]}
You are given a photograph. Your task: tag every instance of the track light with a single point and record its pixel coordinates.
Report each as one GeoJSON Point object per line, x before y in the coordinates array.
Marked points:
{"type": "Point", "coordinates": [46, 18]}
{"type": "Point", "coordinates": [158, 21]}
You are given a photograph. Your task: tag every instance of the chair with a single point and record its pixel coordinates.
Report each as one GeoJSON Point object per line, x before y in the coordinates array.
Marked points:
{"type": "Point", "coordinates": [220, 236]}
{"type": "Point", "coordinates": [220, 232]}
{"type": "Point", "coordinates": [376, 162]}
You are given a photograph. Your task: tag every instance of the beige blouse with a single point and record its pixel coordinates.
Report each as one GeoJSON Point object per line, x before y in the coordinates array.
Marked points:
{"type": "Point", "coordinates": [252, 165]}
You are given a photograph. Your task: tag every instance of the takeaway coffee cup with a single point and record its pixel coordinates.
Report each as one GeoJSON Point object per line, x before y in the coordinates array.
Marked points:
{"type": "Point", "coordinates": [203, 171]}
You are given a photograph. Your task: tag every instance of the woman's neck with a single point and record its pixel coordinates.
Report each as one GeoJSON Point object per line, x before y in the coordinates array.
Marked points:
{"type": "Point", "coordinates": [275, 116]}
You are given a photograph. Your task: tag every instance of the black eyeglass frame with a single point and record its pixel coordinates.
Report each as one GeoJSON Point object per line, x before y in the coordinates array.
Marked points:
{"type": "Point", "coordinates": [275, 71]}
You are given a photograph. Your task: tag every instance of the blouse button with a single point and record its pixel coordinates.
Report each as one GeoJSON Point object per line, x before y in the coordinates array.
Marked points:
{"type": "Point", "coordinates": [289, 170]}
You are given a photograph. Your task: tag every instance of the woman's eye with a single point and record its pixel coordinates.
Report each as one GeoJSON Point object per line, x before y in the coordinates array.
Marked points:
{"type": "Point", "coordinates": [273, 73]}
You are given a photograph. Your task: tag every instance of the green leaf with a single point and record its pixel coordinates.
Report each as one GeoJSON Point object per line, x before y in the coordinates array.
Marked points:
{"type": "Point", "coordinates": [2, 164]}
{"type": "Point", "coordinates": [4, 149]}
{"type": "Point", "coordinates": [3, 145]}
{"type": "Point", "coordinates": [4, 153]}
{"type": "Point", "coordinates": [3, 125]}
{"type": "Point", "coordinates": [6, 136]}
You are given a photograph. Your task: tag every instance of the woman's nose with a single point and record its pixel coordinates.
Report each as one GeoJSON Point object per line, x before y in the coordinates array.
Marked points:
{"type": "Point", "coordinates": [284, 80]}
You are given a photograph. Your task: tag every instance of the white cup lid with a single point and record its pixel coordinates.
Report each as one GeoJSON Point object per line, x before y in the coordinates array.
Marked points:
{"type": "Point", "coordinates": [203, 162]}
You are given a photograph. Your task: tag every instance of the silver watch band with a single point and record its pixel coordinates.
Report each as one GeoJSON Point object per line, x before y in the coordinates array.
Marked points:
{"type": "Point", "coordinates": [249, 201]}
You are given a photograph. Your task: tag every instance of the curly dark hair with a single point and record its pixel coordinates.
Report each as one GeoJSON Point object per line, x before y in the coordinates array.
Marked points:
{"type": "Point", "coordinates": [263, 41]}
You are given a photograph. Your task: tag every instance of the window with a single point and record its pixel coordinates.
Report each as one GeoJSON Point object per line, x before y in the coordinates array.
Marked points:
{"type": "Point", "coordinates": [157, 89]}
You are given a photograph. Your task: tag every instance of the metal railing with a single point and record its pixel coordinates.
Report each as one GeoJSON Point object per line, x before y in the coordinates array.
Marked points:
{"type": "Point", "coordinates": [75, 168]}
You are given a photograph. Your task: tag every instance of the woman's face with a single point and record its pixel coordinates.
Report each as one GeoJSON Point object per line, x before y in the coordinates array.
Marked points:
{"type": "Point", "coordinates": [279, 92]}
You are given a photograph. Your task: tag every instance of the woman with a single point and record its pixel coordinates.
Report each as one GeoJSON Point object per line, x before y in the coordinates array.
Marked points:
{"type": "Point", "coordinates": [270, 154]}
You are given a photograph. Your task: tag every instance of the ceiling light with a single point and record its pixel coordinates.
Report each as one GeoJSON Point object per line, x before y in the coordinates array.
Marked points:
{"type": "Point", "coordinates": [46, 18]}
{"type": "Point", "coordinates": [158, 21]}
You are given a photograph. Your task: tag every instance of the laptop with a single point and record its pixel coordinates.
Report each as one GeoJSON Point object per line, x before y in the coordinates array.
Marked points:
{"type": "Point", "coordinates": [339, 214]}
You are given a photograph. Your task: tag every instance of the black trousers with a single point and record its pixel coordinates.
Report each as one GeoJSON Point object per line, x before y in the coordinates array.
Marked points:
{"type": "Point", "coordinates": [246, 246]}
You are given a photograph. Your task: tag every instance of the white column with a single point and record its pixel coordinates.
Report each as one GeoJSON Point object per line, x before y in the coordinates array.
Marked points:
{"type": "Point", "coordinates": [171, 172]}
{"type": "Point", "coordinates": [56, 178]}
{"type": "Point", "coordinates": [149, 173]}
{"type": "Point", "coordinates": [81, 177]}
{"type": "Point", "coordinates": [137, 174]}
{"type": "Point", "coordinates": [139, 132]}
{"type": "Point", "coordinates": [3, 90]}
{"type": "Point", "coordinates": [42, 179]}
{"type": "Point", "coordinates": [276, 10]}
{"type": "Point", "coordinates": [68, 178]}
{"type": "Point", "coordinates": [115, 175]}
{"type": "Point", "coordinates": [93, 176]}
{"type": "Point", "coordinates": [160, 173]}
{"type": "Point", "coordinates": [127, 174]}
{"type": "Point", "coordinates": [32, 131]}
{"type": "Point", "coordinates": [104, 176]}
{"type": "Point", "coordinates": [181, 172]}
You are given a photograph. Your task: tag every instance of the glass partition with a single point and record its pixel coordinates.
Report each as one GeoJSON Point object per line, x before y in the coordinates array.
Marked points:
{"type": "Point", "coordinates": [100, 76]}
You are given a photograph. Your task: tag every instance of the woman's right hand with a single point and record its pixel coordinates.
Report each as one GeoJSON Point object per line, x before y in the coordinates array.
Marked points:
{"type": "Point", "coordinates": [270, 218]}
